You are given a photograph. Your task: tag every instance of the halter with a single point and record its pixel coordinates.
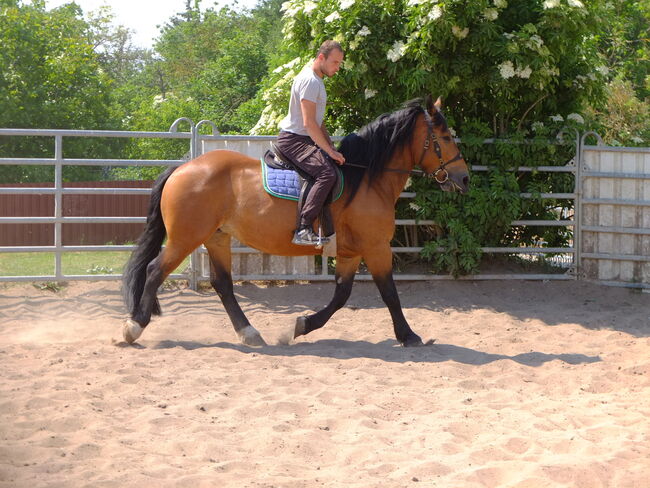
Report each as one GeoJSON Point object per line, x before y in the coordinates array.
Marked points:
{"type": "Point", "coordinates": [431, 137]}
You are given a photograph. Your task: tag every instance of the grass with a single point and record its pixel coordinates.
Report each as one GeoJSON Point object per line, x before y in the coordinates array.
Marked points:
{"type": "Point", "coordinates": [72, 263]}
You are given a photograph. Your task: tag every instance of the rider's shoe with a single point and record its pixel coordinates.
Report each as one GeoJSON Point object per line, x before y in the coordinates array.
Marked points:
{"type": "Point", "coordinates": [306, 237]}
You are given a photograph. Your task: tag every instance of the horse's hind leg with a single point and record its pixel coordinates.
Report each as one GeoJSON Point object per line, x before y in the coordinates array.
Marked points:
{"type": "Point", "coordinates": [345, 271]}
{"type": "Point", "coordinates": [157, 270]}
{"type": "Point", "coordinates": [221, 280]}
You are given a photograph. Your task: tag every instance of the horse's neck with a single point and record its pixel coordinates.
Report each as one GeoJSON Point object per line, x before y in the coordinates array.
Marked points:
{"type": "Point", "coordinates": [391, 183]}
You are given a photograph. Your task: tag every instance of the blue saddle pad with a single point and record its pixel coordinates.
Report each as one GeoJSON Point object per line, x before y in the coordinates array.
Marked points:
{"type": "Point", "coordinates": [285, 183]}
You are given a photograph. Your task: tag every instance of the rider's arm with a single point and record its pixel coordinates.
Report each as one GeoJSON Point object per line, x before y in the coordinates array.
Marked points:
{"type": "Point", "coordinates": [327, 135]}
{"type": "Point", "coordinates": [318, 133]}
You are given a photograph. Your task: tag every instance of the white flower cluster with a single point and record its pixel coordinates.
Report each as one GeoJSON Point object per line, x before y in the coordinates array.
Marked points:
{"type": "Point", "coordinates": [524, 72]}
{"type": "Point", "coordinates": [310, 7]}
{"type": "Point", "coordinates": [603, 70]}
{"type": "Point", "coordinates": [500, 3]}
{"type": "Point", "coordinates": [507, 70]}
{"type": "Point", "coordinates": [397, 51]}
{"type": "Point", "coordinates": [288, 65]}
{"type": "Point", "coordinates": [364, 31]}
{"type": "Point", "coordinates": [576, 118]}
{"type": "Point", "coordinates": [537, 126]}
{"type": "Point", "coordinates": [332, 17]}
{"type": "Point", "coordinates": [345, 4]}
{"type": "Point", "coordinates": [460, 33]}
{"type": "Point", "coordinates": [556, 3]}
{"type": "Point", "coordinates": [291, 8]}
{"type": "Point", "coordinates": [354, 43]}
{"type": "Point", "coordinates": [557, 118]}
{"type": "Point", "coordinates": [413, 3]}
{"type": "Point", "coordinates": [491, 14]}
{"type": "Point", "coordinates": [436, 12]}
{"type": "Point", "coordinates": [369, 93]}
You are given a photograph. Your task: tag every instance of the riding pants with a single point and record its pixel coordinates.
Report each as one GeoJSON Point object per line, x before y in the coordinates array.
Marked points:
{"type": "Point", "coordinates": [305, 154]}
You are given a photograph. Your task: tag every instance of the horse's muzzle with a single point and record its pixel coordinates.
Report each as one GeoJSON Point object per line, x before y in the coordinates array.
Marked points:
{"type": "Point", "coordinates": [456, 182]}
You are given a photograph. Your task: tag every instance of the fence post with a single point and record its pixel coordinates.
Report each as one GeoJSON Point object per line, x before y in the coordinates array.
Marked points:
{"type": "Point", "coordinates": [577, 209]}
{"type": "Point", "coordinates": [577, 235]}
{"type": "Point", "coordinates": [58, 206]}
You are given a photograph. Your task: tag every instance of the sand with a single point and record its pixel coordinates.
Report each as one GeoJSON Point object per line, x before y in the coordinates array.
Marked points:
{"type": "Point", "coordinates": [529, 384]}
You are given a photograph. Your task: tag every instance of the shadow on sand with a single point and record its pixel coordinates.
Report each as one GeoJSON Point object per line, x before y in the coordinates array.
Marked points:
{"type": "Point", "coordinates": [388, 351]}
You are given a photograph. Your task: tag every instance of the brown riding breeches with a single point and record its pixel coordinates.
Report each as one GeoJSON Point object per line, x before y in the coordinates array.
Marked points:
{"type": "Point", "coordinates": [305, 154]}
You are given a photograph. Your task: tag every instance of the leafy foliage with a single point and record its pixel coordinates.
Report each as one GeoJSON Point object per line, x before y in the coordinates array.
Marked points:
{"type": "Point", "coordinates": [483, 217]}
{"type": "Point", "coordinates": [50, 77]}
{"type": "Point", "coordinates": [508, 69]}
{"type": "Point", "coordinates": [504, 63]}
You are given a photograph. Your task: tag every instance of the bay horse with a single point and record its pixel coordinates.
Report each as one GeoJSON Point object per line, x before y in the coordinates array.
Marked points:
{"type": "Point", "coordinates": [219, 195]}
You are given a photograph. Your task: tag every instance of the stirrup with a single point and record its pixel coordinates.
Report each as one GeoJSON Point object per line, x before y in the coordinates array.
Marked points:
{"type": "Point", "coordinates": [306, 237]}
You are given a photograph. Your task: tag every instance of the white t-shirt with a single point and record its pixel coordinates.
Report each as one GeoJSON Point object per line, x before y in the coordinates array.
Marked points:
{"type": "Point", "coordinates": [306, 86]}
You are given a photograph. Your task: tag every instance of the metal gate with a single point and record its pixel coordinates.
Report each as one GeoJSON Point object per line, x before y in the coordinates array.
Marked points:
{"type": "Point", "coordinates": [629, 269]}
{"type": "Point", "coordinates": [615, 215]}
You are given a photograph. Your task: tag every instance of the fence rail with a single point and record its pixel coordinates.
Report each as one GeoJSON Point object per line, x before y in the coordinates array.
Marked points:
{"type": "Point", "coordinates": [263, 267]}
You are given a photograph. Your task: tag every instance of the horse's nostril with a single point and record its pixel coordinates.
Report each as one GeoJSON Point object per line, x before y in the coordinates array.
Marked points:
{"type": "Point", "coordinates": [466, 181]}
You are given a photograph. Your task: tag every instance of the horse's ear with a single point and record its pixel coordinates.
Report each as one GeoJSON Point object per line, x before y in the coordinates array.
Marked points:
{"type": "Point", "coordinates": [438, 104]}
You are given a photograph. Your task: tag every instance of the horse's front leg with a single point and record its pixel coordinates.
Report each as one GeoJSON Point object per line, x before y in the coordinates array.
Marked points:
{"type": "Point", "coordinates": [346, 267]}
{"type": "Point", "coordinates": [380, 265]}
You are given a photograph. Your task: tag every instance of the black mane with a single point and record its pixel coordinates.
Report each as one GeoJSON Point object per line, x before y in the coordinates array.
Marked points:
{"type": "Point", "coordinates": [374, 145]}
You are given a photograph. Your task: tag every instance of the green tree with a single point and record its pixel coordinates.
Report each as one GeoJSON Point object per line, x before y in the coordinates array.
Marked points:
{"type": "Point", "coordinates": [49, 78]}
{"type": "Point", "coordinates": [216, 58]}
{"type": "Point", "coordinates": [505, 68]}
{"type": "Point", "coordinates": [625, 41]}
{"type": "Point", "coordinates": [503, 63]}
{"type": "Point", "coordinates": [623, 117]}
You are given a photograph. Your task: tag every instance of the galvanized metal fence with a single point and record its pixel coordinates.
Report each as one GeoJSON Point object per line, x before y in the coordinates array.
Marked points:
{"type": "Point", "coordinates": [249, 264]}
{"type": "Point", "coordinates": [615, 207]}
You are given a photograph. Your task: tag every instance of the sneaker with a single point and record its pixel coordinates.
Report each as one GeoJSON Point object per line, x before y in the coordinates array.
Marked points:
{"type": "Point", "coordinates": [306, 237]}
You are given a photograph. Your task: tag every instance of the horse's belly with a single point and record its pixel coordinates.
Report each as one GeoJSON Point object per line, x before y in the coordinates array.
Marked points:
{"type": "Point", "coordinates": [275, 240]}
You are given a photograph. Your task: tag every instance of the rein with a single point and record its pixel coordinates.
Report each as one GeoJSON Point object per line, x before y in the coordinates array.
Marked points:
{"type": "Point", "coordinates": [431, 137]}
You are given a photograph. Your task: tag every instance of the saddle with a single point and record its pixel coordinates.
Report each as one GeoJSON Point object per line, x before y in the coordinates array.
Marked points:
{"type": "Point", "coordinates": [283, 179]}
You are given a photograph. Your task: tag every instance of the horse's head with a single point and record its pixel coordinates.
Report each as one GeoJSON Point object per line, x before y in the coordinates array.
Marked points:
{"type": "Point", "coordinates": [441, 159]}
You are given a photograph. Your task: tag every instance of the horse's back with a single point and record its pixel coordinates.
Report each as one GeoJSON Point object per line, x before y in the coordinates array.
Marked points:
{"type": "Point", "coordinates": [207, 184]}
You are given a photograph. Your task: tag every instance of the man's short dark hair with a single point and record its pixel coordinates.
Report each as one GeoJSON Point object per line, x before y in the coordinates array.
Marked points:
{"type": "Point", "coordinates": [327, 47]}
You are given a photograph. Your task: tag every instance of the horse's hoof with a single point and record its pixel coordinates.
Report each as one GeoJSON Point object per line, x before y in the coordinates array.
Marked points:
{"type": "Point", "coordinates": [131, 331]}
{"type": "Point", "coordinates": [413, 340]}
{"type": "Point", "coordinates": [249, 336]}
{"type": "Point", "coordinates": [301, 327]}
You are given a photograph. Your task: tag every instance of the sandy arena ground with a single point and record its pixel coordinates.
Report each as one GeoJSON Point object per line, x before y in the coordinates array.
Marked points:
{"type": "Point", "coordinates": [528, 385]}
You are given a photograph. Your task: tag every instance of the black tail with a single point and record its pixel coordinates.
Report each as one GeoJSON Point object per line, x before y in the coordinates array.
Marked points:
{"type": "Point", "coordinates": [149, 245]}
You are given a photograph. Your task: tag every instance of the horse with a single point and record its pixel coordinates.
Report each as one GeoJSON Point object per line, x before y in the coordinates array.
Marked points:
{"type": "Point", "coordinates": [219, 195]}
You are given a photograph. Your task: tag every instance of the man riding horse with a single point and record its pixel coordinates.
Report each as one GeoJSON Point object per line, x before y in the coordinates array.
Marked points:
{"type": "Point", "coordinates": [304, 138]}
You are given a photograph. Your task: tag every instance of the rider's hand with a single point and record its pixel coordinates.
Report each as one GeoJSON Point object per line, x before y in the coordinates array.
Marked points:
{"type": "Point", "coordinates": [337, 157]}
